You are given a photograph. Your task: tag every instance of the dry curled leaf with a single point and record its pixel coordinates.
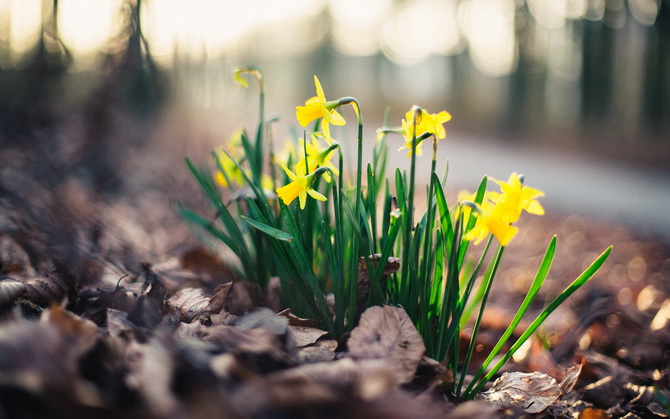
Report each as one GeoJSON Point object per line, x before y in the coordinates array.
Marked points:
{"type": "Point", "coordinates": [533, 392]}
{"type": "Point", "coordinates": [570, 377]}
{"type": "Point", "coordinates": [51, 288]}
{"type": "Point", "coordinates": [10, 291]}
{"type": "Point", "coordinates": [190, 302]}
{"type": "Point", "coordinates": [388, 333]}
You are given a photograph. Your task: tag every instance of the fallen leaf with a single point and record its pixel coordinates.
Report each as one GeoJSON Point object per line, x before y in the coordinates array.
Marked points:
{"type": "Point", "coordinates": [305, 336]}
{"type": "Point", "coordinates": [321, 351]}
{"type": "Point", "coordinates": [591, 413]}
{"type": "Point", "coordinates": [570, 377]}
{"type": "Point", "coordinates": [257, 349]}
{"type": "Point", "coordinates": [294, 320]}
{"type": "Point", "coordinates": [51, 288]}
{"type": "Point", "coordinates": [328, 389]}
{"type": "Point", "coordinates": [388, 333]}
{"type": "Point", "coordinates": [533, 392]}
{"type": "Point", "coordinates": [10, 291]}
{"type": "Point", "coordinates": [82, 331]}
{"type": "Point", "coordinates": [191, 303]}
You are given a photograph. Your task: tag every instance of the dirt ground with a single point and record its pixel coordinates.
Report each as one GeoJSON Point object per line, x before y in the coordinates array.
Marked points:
{"type": "Point", "coordinates": [112, 308]}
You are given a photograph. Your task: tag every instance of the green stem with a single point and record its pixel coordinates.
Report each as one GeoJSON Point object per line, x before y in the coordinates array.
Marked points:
{"type": "Point", "coordinates": [475, 330]}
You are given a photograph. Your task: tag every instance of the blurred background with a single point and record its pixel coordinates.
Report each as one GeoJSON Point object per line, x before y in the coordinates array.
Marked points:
{"type": "Point", "coordinates": [573, 93]}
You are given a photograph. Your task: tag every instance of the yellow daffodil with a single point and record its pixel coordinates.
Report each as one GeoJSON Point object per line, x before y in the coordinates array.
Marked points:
{"type": "Point", "coordinates": [465, 196]}
{"type": "Point", "coordinates": [318, 107]}
{"type": "Point", "coordinates": [516, 197]}
{"type": "Point", "coordinates": [232, 172]}
{"type": "Point", "coordinates": [489, 220]}
{"type": "Point", "coordinates": [300, 187]}
{"type": "Point", "coordinates": [319, 157]}
{"type": "Point", "coordinates": [425, 123]}
{"type": "Point", "coordinates": [253, 70]}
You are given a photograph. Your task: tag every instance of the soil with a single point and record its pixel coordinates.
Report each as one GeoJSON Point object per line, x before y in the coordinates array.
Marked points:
{"type": "Point", "coordinates": [112, 308]}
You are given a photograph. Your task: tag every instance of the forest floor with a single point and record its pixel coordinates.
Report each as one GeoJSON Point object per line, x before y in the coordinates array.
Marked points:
{"type": "Point", "coordinates": [111, 308]}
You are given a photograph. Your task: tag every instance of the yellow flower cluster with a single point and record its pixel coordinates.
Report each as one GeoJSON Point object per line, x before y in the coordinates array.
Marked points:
{"type": "Point", "coordinates": [229, 172]}
{"type": "Point", "coordinates": [499, 210]}
{"type": "Point", "coordinates": [425, 123]}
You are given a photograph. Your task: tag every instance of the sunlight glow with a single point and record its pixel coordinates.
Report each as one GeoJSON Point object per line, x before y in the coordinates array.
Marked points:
{"type": "Point", "coordinates": [644, 11]}
{"type": "Point", "coordinates": [489, 29]}
{"type": "Point", "coordinates": [416, 30]}
{"type": "Point", "coordinates": [84, 26]}
{"type": "Point", "coordinates": [25, 26]}
{"type": "Point", "coordinates": [356, 25]}
{"type": "Point", "coordinates": [210, 28]}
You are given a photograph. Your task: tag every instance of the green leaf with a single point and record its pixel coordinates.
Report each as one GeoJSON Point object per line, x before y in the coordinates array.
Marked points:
{"type": "Point", "coordinates": [541, 275]}
{"type": "Point", "coordinates": [574, 286]}
{"type": "Point", "coordinates": [271, 231]}
{"type": "Point", "coordinates": [445, 215]}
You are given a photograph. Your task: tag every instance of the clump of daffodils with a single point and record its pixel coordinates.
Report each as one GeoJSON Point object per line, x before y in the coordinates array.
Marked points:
{"type": "Point", "coordinates": [331, 254]}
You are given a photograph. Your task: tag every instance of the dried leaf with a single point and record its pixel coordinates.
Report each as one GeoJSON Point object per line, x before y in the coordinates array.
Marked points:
{"type": "Point", "coordinates": [331, 389]}
{"type": "Point", "coordinates": [220, 297]}
{"type": "Point", "coordinates": [533, 392]}
{"type": "Point", "coordinates": [257, 349]}
{"type": "Point", "coordinates": [148, 311]}
{"type": "Point", "coordinates": [570, 377]}
{"type": "Point", "coordinates": [388, 333]}
{"type": "Point", "coordinates": [206, 265]}
{"type": "Point", "coordinates": [82, 331]}
{"type": "Point", "coordinates": [591, 413]}
{"type": "Point", "coordinates": [10, 291]}
{"type": "Point", "coordinates": [321, 351]}
{"type": "Point", "coordinates": [264, 317]}
{"type": "Point", "coordinates": [305, 336]}
{"type": "Point", "coordinates": [294, 320]}
{"type": "Point", "coordinates": [13, 258]}
{"type": "Point", "coordinates": [53, 288]}
{"type": "Point", "coordinates": [151, 368]}
{"type": "Point", "coordinates": [190, 302]}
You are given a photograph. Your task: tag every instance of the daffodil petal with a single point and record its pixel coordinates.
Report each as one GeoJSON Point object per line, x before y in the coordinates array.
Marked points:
{"type": "Point", "coordinates": [289, 192]}
{"type": "Point", "coordinates": [289, 173]}
{"type": "Point", "coordinates": [336, 118]}
{"type": "Point", "coordinates": [303, 198]}
{"type": "Point", "coordinates": [319, 89]}
{"type": "Point", "coordinates": [534, 207]}
{"type": "Point", "coordinates": [316, 195]}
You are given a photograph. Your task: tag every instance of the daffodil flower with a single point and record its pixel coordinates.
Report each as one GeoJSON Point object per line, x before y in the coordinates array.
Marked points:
{"type": "Point", "coordinates": [300, 187]}
{"type": "Point", "coordinates": [254, 71]}
{"type": "Point", "coordinates": [490, 220]}
{"type": "Point", "coordinates": [425, 123]}
{"type": "Point", "coordinates": [227, 164]}
{"type": "Point", "coordinates": [319, 157]}
{"type": "Point", "coordinates": [318, 107]}
{"type": "Point", "coordinates": [516, 197]}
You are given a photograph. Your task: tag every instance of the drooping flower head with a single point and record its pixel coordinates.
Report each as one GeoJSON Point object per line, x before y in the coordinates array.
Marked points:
{"type": "Point", "coordinates": [318, 107]}
{"type": "Point", "coordinates": [253, 71]}
{"type": "Point", "coordinates": [300, 187]}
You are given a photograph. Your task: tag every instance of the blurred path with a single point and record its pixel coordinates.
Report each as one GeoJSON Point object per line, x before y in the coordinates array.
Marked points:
{"type": "Point", "coordinates": [612, 192]}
